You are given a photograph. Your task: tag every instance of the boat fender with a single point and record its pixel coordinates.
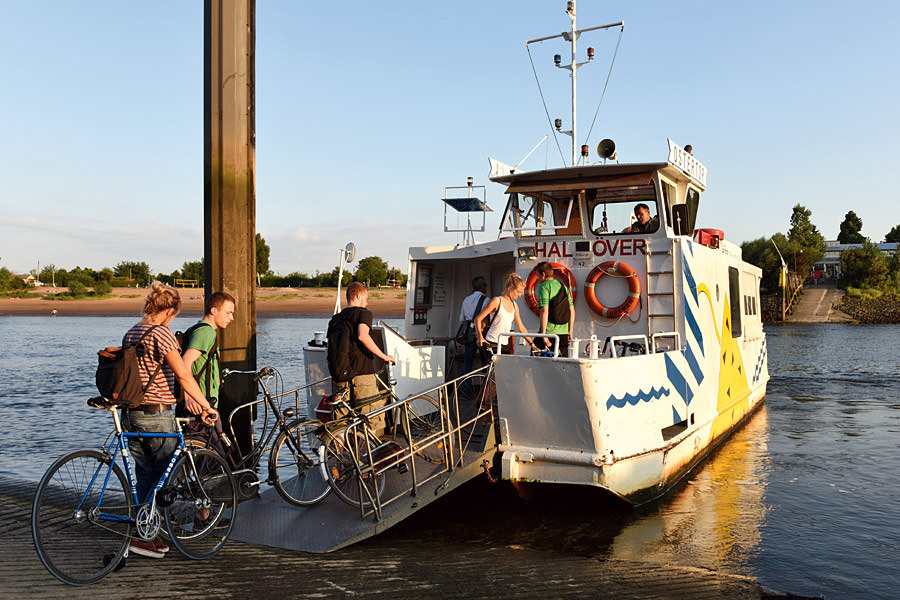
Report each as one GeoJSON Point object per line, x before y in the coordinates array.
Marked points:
{"type": "Point", "coordinates": [563, 274]}
{"type": "Point", "coordinates": [615, 269]}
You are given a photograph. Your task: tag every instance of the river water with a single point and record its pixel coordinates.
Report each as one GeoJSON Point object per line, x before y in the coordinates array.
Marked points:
{"type": "Point", "coordinates": [805, 497]}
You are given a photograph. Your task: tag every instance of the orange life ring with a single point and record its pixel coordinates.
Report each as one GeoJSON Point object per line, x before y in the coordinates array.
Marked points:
{"type": "Point", "coordinates": [620, 269]}
{"type": "Point", "coordinates": [531, 285]}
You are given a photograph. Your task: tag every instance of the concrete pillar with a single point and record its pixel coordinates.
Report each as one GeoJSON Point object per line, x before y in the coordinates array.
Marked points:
{"type": "Point", "coordinates": [229, 203]}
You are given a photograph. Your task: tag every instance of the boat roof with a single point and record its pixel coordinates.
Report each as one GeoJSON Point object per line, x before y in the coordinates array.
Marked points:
{"type": "Point", "coordinates": [585, 176]}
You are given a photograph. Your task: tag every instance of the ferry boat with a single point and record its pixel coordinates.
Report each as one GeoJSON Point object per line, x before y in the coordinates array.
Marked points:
{"type": "Point", "coordinates": [668, 354]}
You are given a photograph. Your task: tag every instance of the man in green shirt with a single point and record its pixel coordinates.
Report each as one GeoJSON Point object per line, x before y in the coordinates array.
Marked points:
{"type": "Point", "coordinates": [202, 354]}
{"type": "Point", "coordinates": [548, 290]}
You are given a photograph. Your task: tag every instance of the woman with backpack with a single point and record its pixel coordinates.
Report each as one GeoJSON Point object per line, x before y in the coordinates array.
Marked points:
{"type": "Point", "coordinates": [507, 313]}
{"type": "Point", "coordinates": [160, 366]}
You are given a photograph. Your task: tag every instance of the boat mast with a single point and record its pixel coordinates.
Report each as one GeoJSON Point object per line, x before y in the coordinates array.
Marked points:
{"type": "Point", "coordinates": [570, 8]}
{"type": "Point", "coordinates": [571, 37]}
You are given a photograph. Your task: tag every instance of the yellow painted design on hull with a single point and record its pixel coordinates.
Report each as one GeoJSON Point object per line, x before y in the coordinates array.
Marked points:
{"type": "Point", "coordinates": [734, 392]}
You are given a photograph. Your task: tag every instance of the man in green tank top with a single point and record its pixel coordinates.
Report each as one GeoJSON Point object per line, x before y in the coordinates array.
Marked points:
{"type": "Point", "coordinates": [548, 289]}
{"type": "Point", "coordinates": [202, 354]}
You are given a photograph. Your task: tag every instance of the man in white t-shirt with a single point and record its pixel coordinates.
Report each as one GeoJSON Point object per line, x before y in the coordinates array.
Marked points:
{"type": "Point", "coordinates": [471, 306]}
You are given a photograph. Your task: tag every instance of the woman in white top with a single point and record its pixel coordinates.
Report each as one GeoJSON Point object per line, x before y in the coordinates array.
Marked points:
{"type": "Point", "coordinates": [507, 313]}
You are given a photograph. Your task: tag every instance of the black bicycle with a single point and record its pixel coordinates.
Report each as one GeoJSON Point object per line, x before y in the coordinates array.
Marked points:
{"type": "Point", "coordinates": [293, 455]}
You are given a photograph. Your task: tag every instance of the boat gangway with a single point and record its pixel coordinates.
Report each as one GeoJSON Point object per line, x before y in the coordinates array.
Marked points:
{"type": "Point", "coordinates": [466, 439]}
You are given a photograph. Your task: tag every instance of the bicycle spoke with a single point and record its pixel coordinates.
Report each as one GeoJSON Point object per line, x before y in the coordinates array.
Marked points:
{"type": "Point", "coordinates": [204, 502]}
{"type": "Point", "coordinates": [79, 538]}
{"type": "Point", "coordinates": [294, 464]}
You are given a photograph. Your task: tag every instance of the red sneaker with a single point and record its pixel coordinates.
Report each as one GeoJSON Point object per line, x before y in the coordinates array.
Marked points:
{"type": "Point", "coordinates": [143, 548]}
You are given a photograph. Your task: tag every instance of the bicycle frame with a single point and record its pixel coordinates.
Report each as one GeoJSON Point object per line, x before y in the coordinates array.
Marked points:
{"type": "Point", "coordinates": [252, 460]}
{"type": "Point", "coordinates": [118, 444]}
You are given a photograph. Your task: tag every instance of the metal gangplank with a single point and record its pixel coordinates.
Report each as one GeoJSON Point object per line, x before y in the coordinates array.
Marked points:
{"type": "Point", "coordinates": [467, 438]}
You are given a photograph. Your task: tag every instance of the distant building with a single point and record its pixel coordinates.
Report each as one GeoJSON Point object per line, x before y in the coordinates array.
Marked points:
{"type": "Point", "coordinates": [830, 265]}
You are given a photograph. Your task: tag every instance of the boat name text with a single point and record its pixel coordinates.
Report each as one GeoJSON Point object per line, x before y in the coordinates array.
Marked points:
{"type": "Point", "coordinates": [613, 247]}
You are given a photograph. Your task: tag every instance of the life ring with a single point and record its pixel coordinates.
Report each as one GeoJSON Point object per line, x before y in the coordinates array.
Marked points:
{"type": "Point", "coordinates": [618, 269]}
{"type": "Point", "coordinates": [531, 286]}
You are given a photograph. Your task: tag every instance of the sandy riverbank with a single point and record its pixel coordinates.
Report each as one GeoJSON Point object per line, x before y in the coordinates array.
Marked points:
{"type": "Point", "coordinates": [284, 302]}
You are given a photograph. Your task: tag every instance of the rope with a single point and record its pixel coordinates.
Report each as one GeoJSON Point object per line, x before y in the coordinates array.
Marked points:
{"type": "Point", "coordinates": [546, 111]}
{"type": "Point", "coordinates": [619, 41]}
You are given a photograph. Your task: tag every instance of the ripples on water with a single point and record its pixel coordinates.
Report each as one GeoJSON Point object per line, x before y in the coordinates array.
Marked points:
{"type": "Point", "coordinates": [806, 497]}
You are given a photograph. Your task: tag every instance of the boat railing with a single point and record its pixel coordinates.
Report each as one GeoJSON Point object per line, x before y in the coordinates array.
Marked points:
{"type": "Point", "coordinates": [551, 336]}
{"type": "Point", "coordinates": [465, 412]}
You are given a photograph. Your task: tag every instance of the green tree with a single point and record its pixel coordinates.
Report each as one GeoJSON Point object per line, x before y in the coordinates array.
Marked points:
{"type": "Point", "coordinates": [6, 277]}
{"type": "Point", "coordinates": [372, 270]}
{"type": "Point", "coordinates": [262, 256]}
{"type": "Point", "coordinates": [893, 235]}
{"type": "Point", "coordinates": [808, 245]}
{"type": "Point", "coordinates": [396, 276]}
{"type": "Point", "coordinates": [865, 267]}
{"type": "Point", "coordinates": [138, 271]}
{"type": "Point", "coordinates": [102, 287]}
{"type": "Point", "coordinates": [48, 274]}
{"type": "Point", "coordinates": [761, 252]}
{"type": "Point", "coordinates": [193, 270]}
{"type": "Point", "coordinates": [850, 229]}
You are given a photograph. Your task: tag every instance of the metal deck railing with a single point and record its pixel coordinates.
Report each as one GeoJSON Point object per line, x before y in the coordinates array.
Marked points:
{"type": "Point", "coordinates": [466, 414]}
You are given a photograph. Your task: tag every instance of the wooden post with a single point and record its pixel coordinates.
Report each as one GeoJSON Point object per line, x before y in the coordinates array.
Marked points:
{"type": "Point", "coordinates": [229, 203]}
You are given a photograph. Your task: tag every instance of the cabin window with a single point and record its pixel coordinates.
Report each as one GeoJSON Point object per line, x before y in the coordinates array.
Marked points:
{"type": "Point", "coordinates": [551, 213]}
{"type": "Point", "coordinates": [612, 209]}
{"type": "Point", "coordinates": [734, 293]}
{"type": "Point", "coordinates": [693, 203]}
{"type": "Point", "coordinates": [669, 197]}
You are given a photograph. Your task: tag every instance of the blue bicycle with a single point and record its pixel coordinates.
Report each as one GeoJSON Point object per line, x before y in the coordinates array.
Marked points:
{"type": "Point", "coordinates": [86, 511]}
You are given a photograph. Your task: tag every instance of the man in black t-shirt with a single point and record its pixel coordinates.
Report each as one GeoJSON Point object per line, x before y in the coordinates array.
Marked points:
{"type": "Point", "coordinates": [363, 385]}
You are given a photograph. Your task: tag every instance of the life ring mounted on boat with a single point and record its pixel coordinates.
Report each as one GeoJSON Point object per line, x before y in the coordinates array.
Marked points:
{"type": "Point", "coordinates": [531, 286]}
{"type": "Point", "coordinates": [613, 268]}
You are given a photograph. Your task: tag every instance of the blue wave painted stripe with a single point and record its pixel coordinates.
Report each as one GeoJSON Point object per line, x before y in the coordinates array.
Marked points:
{"type": "Point", "coordinates": [690, 246]}
{"type": "Point", "coordinates": [757, 372]}
{"type": "Point", "coordinates": [676, 418]}
{"type": "Point", "coordinates": [690, 279]}
{"type": "Point", "coordinates": [641, 396]}
{"type": "Point", "coordinates": [693, 364]}
{"type": "Point", "coordinates": [678, 381]}
{"type": "Point", "coordinates": [695, 327]}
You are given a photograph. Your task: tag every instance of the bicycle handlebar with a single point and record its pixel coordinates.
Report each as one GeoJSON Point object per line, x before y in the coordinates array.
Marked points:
{"type": "Point", "coordinates": [264, 372]}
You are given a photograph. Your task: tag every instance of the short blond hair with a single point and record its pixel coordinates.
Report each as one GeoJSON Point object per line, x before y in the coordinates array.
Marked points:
{"type": "Point", "coordinates": [161, 297]}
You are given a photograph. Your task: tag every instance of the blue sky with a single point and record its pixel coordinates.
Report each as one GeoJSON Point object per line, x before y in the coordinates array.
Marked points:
{"type": "Point", "coordinates": [365, 111]}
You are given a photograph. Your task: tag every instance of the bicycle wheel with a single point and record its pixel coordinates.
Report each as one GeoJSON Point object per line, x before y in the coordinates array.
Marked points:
{"type": "Point", "coordinates": [82, 517]}
{"type": "Point", "coordinates": [202, 503]}
{"type": "Point", "coordinates": [341, 470]}
{"type": "Point", "coordinates": [427, 420]}
{"type": "Point", "coordinates": [294, 464]}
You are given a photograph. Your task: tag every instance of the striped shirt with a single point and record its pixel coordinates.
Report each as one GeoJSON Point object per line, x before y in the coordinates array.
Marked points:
{"type": "Point", "coordinates": [158, 343]}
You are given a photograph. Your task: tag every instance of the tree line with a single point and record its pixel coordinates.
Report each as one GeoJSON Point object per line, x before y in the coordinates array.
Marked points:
{"type": "Point", "coordinates": [864, 268]}
{"type": "Point", "coordinates": [371, 270]}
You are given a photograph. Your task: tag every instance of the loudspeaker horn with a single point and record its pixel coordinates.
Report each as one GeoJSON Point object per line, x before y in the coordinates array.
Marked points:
{"type": "Point", "coordinates": [606, 149]}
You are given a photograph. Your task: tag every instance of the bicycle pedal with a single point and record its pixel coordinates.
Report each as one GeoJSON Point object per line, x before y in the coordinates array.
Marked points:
{"type": "Point", "coordinates": [402, 468]}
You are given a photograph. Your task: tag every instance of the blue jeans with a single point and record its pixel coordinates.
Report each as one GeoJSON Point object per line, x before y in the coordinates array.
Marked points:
{"type": "Point", "coordinates": [152, 455]}
{"type": "Point", "coordinates": [468, 357]}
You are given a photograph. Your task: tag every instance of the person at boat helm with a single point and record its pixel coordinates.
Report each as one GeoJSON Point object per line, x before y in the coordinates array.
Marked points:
{"type": "Point", "coordinates": [551, 293]}
{"type": "Point", "coordinates": [644, 224]}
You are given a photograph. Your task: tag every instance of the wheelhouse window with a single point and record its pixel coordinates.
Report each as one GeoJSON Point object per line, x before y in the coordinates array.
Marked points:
{"type": "Point", "coordinates": [542, 213]}
{"type": "Point", "coordinates": [693, 203]}
{"type": "Point", "coordinates": [623, 209]}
